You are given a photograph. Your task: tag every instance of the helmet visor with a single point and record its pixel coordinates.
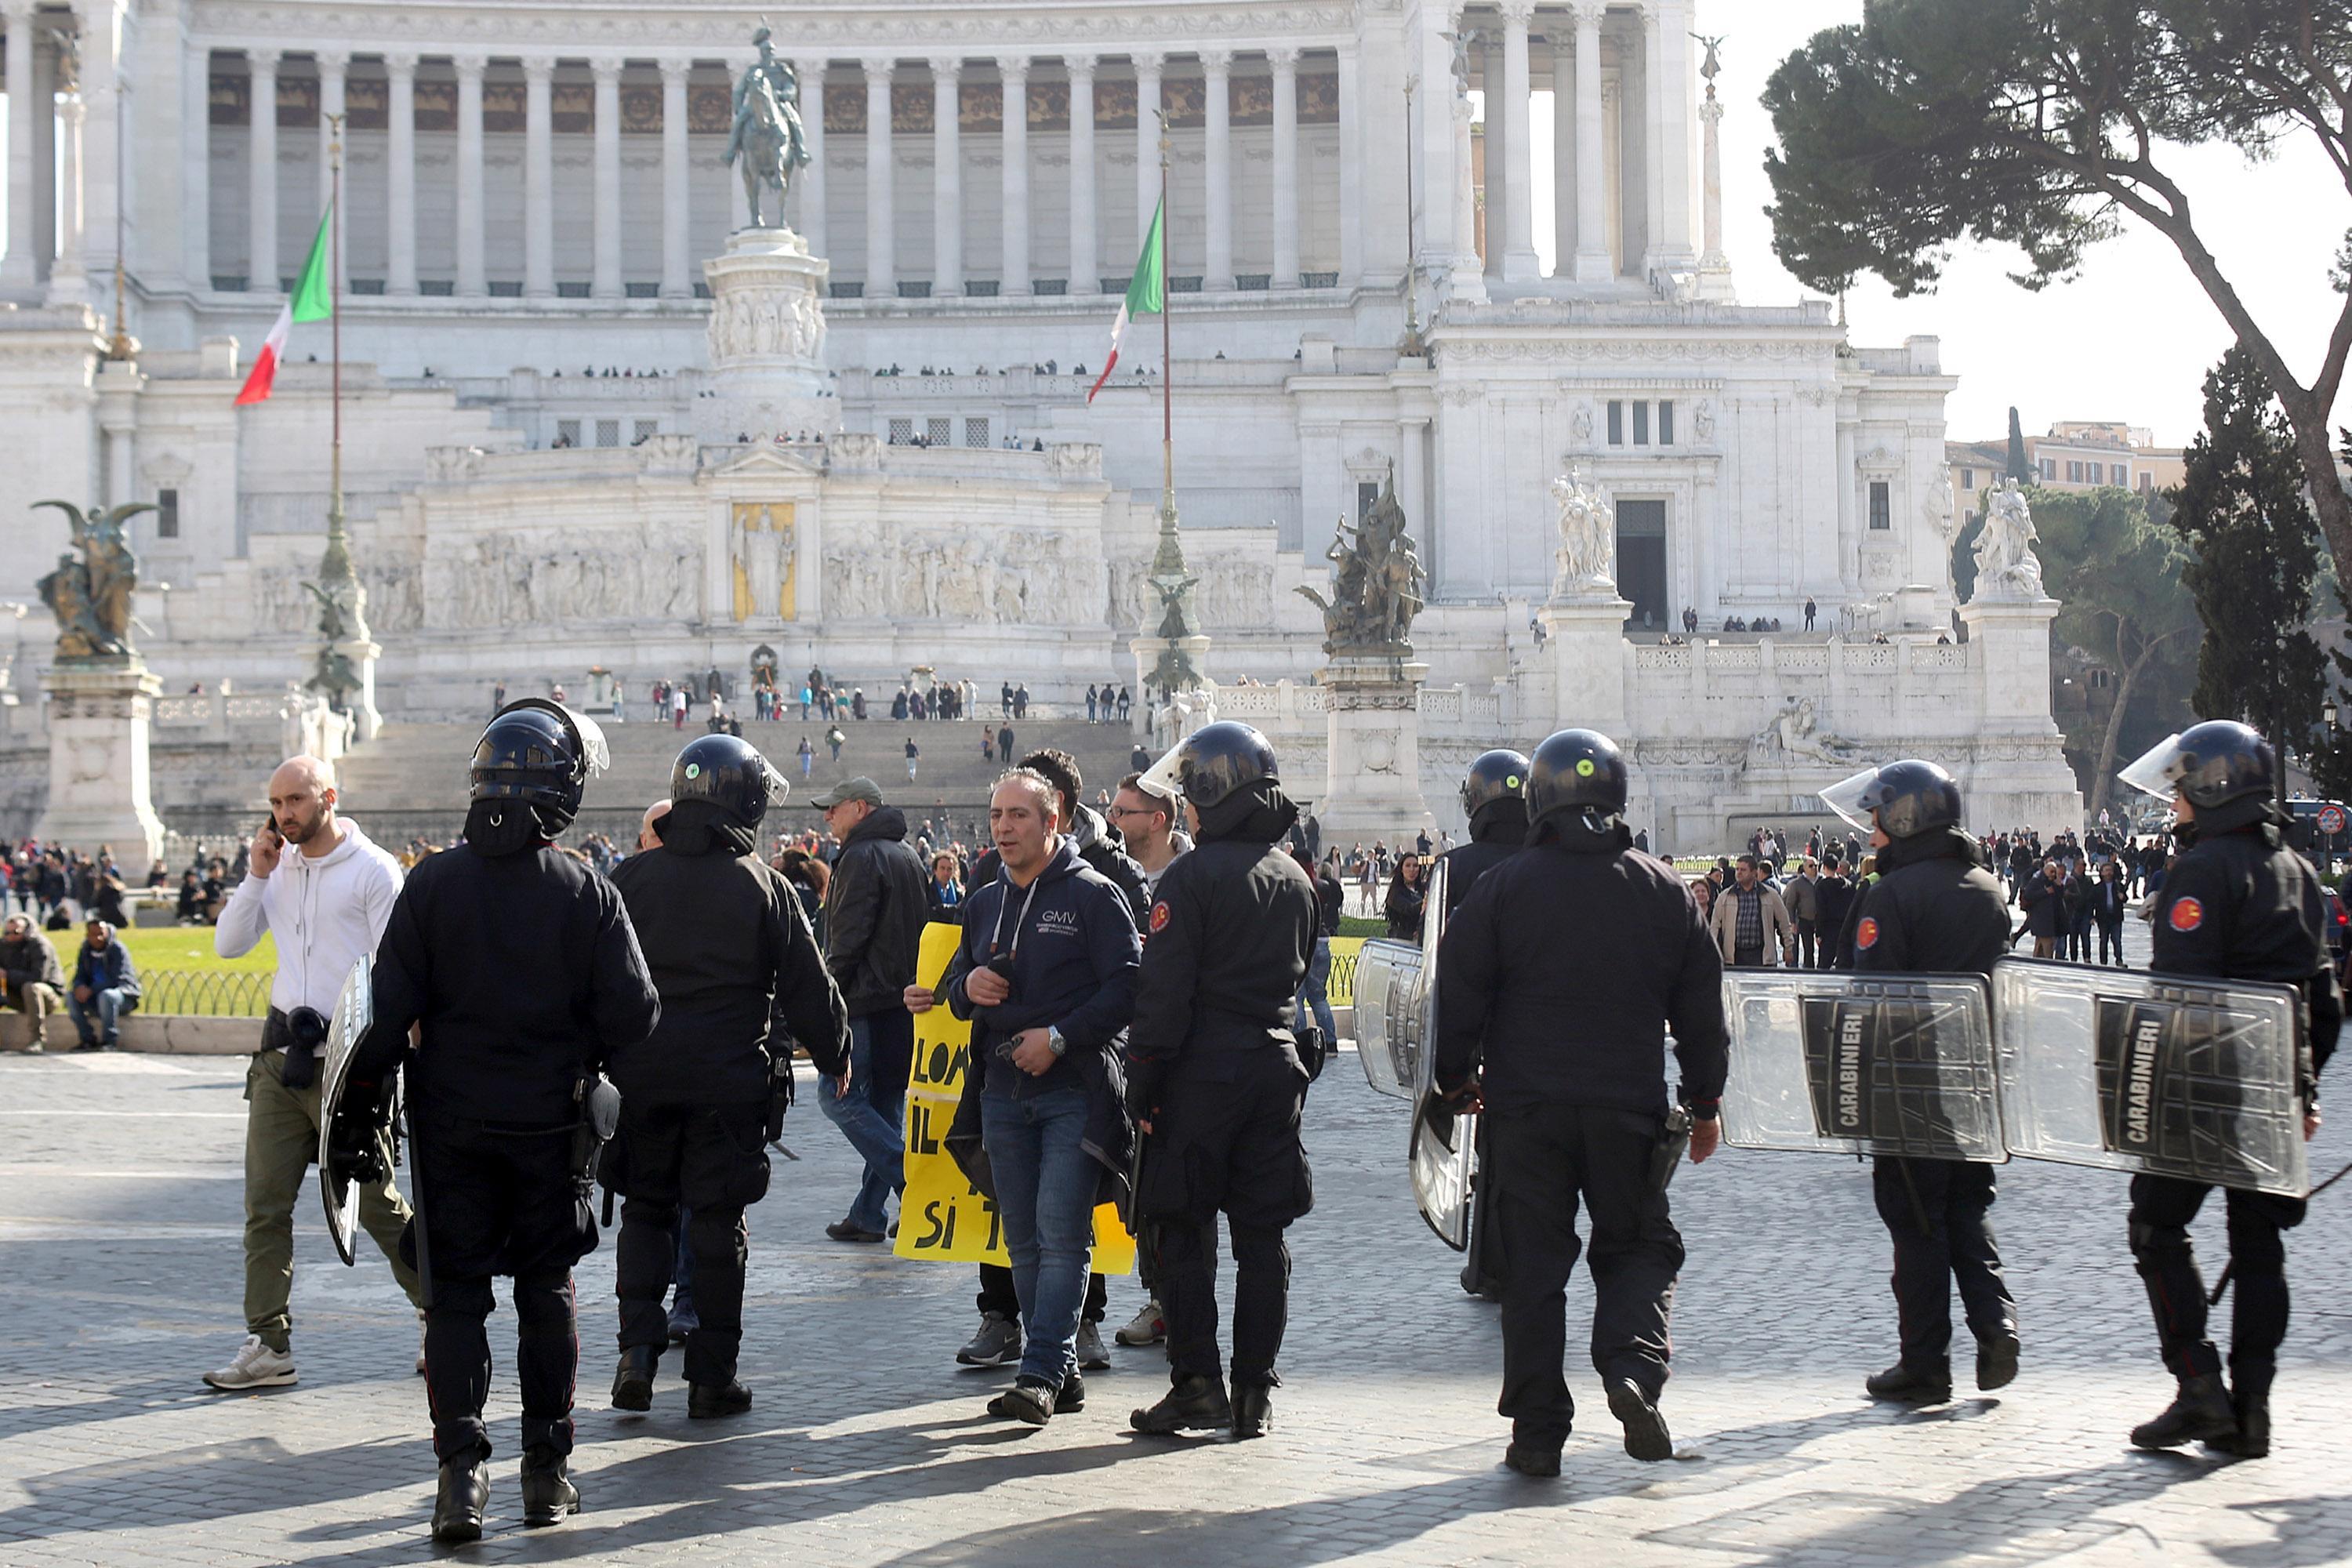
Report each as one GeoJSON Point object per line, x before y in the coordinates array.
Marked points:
{"type": "Point", "coordinates": [2157, 771]}
{"type": "Point", "coordinates": [780, 789]}
{"type": "Point", "coordinates": [1845, 798]}
{"type": "Point", "coordinates": [592, 749]}
{"type": "Point", "coordinates": [1165, 778]}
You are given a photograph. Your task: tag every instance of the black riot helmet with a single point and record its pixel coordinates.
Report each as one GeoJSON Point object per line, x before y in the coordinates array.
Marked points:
{"type": "Point", "coordinates": [1908, 798]}
{"type": "Point", "coordinates": [537, 754]}
{"type": "Point", "coordinates": [1576, 771]}
{"type": "Point", "coordinates": [729, 773]}
{"type": "Point", "coordinates": [1212, 762]}
{"type": "Point", "coordinates": [1498, 775]}
{"type": "Point", "coordinates": [2209, 765]}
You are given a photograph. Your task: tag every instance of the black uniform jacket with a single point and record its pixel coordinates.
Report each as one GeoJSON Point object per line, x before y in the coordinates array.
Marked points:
{"type": "Point", "coordinates": [1465, 863]}
{"type": "Point", "coordinates": [526, 975]}
{"type": "Point", "coordinates": [729, 949]}
{"type": "Point", "coordinates": [1229, 937]}
{"type": "Point", "coordinates": [2244, 906]}
{"type": "Point", "coordinates": [1565, 967]}
{"type": "Point", "coordinates": [1938, 911]}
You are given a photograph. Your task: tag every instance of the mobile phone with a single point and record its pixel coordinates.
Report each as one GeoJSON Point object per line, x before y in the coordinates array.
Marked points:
{"type": "Point", "coordinates": [269, 825]}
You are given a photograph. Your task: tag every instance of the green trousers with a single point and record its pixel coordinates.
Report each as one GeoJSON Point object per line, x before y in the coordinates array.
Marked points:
{"type": "Point", "coordinates": [281, 1144]}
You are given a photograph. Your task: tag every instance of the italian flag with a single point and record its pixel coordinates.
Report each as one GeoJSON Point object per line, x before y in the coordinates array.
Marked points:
{"type": "Point", "coordinates": [1146, 293]}
{"type": "Point", "coordinates": [313, 300]}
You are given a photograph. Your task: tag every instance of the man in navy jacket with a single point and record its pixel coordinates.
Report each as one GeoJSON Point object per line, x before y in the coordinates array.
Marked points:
{"type": "Point", "coordinates": [105, 987]}
{"type": "Point", "coordinates": [1047, 974]}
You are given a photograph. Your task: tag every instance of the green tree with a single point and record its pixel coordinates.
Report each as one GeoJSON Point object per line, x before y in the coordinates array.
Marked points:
{"type": "Point", "coordinates": [2047, 124]}
{"type": "Point", "coordinates": [2020, 467]}
{"type": "Point", "coordinates": [2240, 507]}
{"type": "Point", "coordinates": [2117, 577]}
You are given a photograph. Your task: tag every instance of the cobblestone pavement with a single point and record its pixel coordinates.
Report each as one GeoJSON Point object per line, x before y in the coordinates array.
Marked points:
{"type": "Point", "coordinates": [120, 1281]}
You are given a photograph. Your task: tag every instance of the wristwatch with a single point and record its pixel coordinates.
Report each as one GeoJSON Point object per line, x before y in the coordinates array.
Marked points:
{"type": "Point", "coordinates": [1054, 1042]}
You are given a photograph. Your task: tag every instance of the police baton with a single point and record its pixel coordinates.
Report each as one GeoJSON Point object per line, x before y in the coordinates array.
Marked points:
{"type": "Point", "coordinates": [2213, 1299]}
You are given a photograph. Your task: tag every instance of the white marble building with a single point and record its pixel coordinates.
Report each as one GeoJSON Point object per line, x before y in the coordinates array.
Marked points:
{"type": "Point", "coordinates": [531, 193]}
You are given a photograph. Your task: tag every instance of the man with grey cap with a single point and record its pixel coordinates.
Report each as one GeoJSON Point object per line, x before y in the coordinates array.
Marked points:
{"type": "Point", "coordinates": [874, 907]}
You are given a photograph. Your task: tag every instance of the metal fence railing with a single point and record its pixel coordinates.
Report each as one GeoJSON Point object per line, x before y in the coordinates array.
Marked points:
{"type": "Point", "coordinates": [204, 992]}
{"type": "Point", "coordinates": [1340, 990]}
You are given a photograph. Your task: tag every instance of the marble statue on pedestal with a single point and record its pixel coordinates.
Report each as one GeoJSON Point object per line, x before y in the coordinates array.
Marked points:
{"type": "Point", "coordinates": [1588, 538]}
{"type": "Point", "coordinates": [2007, 567]}
{"type": "Point", "coordinates": [767, 130]}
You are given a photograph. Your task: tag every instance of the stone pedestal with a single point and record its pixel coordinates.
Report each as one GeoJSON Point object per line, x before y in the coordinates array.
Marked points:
{"type": "Point", "coordinates": [365, 718]}
{"type": "Point", "coordinates": [767, 342]}
{"type": "Point", "coordinates": [1585, 639]}
{"type": "Point", "coordinates": [1373, 719]}
{"type": "Point", "coordinates": [2021, 777]}
{"type": "Point", "coordinates": [99, 783]}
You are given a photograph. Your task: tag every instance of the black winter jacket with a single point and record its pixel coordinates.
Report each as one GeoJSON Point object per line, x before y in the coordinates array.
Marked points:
{"type": "Point", "coordinates": [875, 909]}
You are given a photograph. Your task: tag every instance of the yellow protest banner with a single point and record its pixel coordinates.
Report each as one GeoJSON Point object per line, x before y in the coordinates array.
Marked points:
{"type": "Point", "coordinates": [942, 1217]}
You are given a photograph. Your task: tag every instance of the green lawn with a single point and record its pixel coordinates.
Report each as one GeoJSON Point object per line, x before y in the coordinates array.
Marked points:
{"type": "Point", "coordinates": [156, 948]}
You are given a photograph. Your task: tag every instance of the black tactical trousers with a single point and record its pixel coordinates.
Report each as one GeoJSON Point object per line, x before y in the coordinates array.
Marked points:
{"type": "Point", "coordinates": [1936, 1218]}
{"type": "Point", "coordinates": [2161, 1210]}
{"type": "Point", "coordinates": [489, 1202]}
{"type": "Point", "coordinates": [1545, 1158]}
{"type": "Point", "coordinates": [711, 1160]}
{"type": "Point", "coordinates": [1481, 1267]}
{"type": "Point", "coordinates": [997, 1295]}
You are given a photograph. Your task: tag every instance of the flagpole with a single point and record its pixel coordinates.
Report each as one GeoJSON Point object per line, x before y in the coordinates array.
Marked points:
{"type": "Point", "coordinates": [1167, 340]}
{"type": "Point", "coordinates": [335, 297]}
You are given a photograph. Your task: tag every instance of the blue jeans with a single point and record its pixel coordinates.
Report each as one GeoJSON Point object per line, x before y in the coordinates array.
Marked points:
{"type": "Point", "coordinates": [1046, 1196]}
{"type": "Point", "coordinates": [1311, 996]}
{"type": "Point", "coordinates": [109, 1006]}
{"type": "Point", "coordinates": [874, 1127]}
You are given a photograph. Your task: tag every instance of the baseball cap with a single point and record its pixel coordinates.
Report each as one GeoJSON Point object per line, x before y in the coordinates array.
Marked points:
{"type": "Point", "coordinates": [862, 789]}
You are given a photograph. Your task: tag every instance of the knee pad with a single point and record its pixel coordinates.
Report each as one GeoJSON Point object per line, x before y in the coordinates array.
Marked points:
{"type": "Point", "coordinates": [461, 1299]}
{"type": "Point", "coordinates": [2256, 1249]}
{"type": "Point", "coordinates": [2156, 1246]}
{"type": "Point", "coordinates": [544, 1300]}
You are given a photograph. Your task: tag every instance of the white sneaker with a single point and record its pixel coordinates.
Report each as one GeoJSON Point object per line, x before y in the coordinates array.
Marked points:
{"type": "Point", "coordinates": [1150, 1327]}
{"type": "Point", "coordinates": [254, 1366]}
{"type": "Point", "coordinates": [420, 1343]}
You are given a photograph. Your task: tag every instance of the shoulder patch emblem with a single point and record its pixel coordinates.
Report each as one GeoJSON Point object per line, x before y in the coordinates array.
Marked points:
{"type": "Point", "coordinates": [1158, 917]}
{"type": "Point", "coordinates": [1865, 935]}
{"type": "Point", "coordinates": [2187, 914]}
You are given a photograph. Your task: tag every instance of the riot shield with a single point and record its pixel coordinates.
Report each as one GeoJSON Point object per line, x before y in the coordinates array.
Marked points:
{"type": "Point", "coordinates": [354, 1011]}
{"type": "Point", "coordinates": [1441, 1151]}
{"type": "Point", "coordinates": [1388, 1015]}
{"type": "Point", "coordinates": [2152, 1073]}
{"type": "Point", "coordinates": [1861, 1064]}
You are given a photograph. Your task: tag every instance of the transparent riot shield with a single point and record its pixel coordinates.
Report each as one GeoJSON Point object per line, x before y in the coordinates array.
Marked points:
{"type": "Point", "coordinates": [2152, 1073]}
{"type": "Point", "coordinates": [1861, 1063]}
{"type": "Point", "coordinates": [354, 1011]}
{"type": "Point", "coordinates": [1388, 1010]}
{"type": "Point", "coordinates": [1442, 1143]}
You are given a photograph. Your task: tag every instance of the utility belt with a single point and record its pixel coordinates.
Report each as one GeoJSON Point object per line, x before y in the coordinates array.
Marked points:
{"type": "Point", "coordinates": [299, 1034]}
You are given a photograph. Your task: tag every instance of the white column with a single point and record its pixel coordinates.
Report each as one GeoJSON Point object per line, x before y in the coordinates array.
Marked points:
{"type": "Point", "coordinates": [400, 172]}
{"type": "Point", "coordinates": [17, 270]}
{"type": "Point", "coordinates": [1351, 168]}
{"type": "Point", "coordinates": [1849, 545]}
{"type": "Point", "coordinates": [1563, 156]}
{"type": "Point", "coordinates": [947, 177]}
{"type": "Point", "coordinates": [1592, 263]}
{"type": "Point", "coordinates": [538, 176]}
{"type": "Point", "coordinates": [1147, 141]}
{"type": "Point", "coordinates": [194, 123]}
{"type": "Point", "coordinates": [811, 180]}
{"type": "Point", "coordinates": [261, 175]}
{"type": "Point", "coordinates": [677, 182]}
{"type": "Point", "coordinates": [69, 277]}
{"type": "Point", "coordinates": [605, 280]}
{"type": "Point", "coordinates": [1674, 119]}
{"type": "Point", "coordinates": [1710, 113]}
{"type": "Point", "coordinates": [334, 71]}
{"type": "Point", "coordinates": [1520, 261]}
{"type": "Point", "coordinates": [1086, 253]}
{"type": "Point", "coordinates": [1498, 192]}
{"type": "Point", "coordinates": [1016, 70]}
{"type": "Point", "coordinates": [1284, 62]}
{"type": "Point", "coordinates": [1217, 66]}
{"type": "Point", "coordinates": [105, 96]}
{"type": "Point", "coordinates": [472, 271]}
{"type": "Point", "coordinates": [881, 190]}
{"type": "Point", "coordinates": [1653, 141]}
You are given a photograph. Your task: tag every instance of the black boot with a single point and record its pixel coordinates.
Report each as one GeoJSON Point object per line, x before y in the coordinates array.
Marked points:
{"type": "Point", "coordinates": [1646, 1436]}
{"type": "Point", "coordinates": [2200, 1411]}
{"type": "Point", "coordinates": [548, 1494]}
{"type": "Point", "coordinates": [705, 1401]}
{"type": "Point", "coordinates": [1195, 1403]}
{"type": "Point", "coordinates": [2252, 1439]}
{"type": "Point", "coordinates": [1252, 1411]}
{"type": "Point", "coordinates": [1531, 1457]}
{"type": "Point", "coordinates": [1902, 1385]}
{"type": "Point", "coordinates": [633, 1381]}
{"type": "Point", "coordinates": [1997, 1361]}
{"type": "Point", "coordinates": [464, 1493]}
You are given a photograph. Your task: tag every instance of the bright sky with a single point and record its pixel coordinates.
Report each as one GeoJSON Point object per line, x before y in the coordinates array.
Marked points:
{"type": "Point", "coordinates": [2129, 340]}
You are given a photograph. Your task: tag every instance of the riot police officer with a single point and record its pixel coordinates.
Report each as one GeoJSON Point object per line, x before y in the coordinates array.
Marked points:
{"type": "Point", "coordinates": [1215, 1078]}
{"type": "Point", "coordinates": [519, 964]}
{"type": "Point", "coordinates": [2237, 905]}
{"type": "Point", "coordinates": [1557, 982]}
{"type": "Point", "coordinates": [1494, 797]}
{"type": "Point", "coordinates": [729, 949]}
{"type": "Point", "coordinates": [1934, 907]}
